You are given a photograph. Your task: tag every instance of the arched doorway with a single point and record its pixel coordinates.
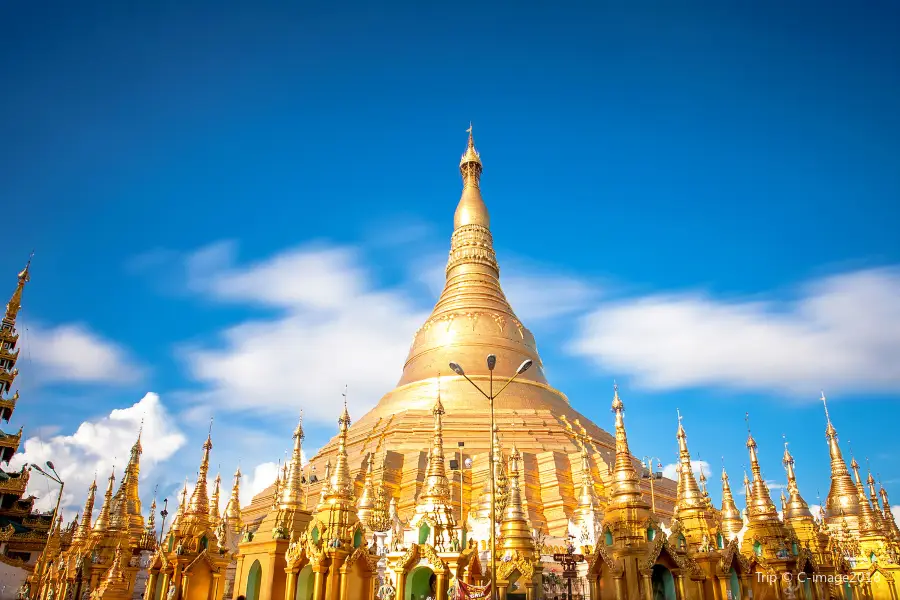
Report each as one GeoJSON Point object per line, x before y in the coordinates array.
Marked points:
{"type": "Point", "coordinates": [419, 584]}
{"type": "Point", "coordinates": [254, 579]}
{"type": "Point", "coordinates": [304, 584]}
{"type": "Point", "coordinates": [662, 582]}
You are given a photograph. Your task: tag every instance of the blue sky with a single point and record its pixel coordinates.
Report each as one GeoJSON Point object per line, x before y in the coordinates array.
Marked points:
{"type": "Point", "coordinates": [219, 194]}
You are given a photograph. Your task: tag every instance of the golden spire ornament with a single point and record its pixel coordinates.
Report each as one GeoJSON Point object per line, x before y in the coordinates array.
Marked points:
{"type": "Point", "coordinates": [759, 504]}
{"type": "Point", "coordinates": [84, 528]}
{"type": "Point", "coordinates": [842, 501]}
{"type": "Point", "coordinates": [214, 501]}
{"type": "Point", "coordinates": [292, 486]}
{"type": "Point", "coordinates": [103, 519]}
{"type": "Point", "coordinates": [199, 504]}
{"type": "Point", "coordinates": [796, 507]}
{"type": "Point", "coordinates": [514, 527]}
{"type": "Point", "coordinates": [15, 302]}
{"type": "Point", "coordinates": [696, 521]}
{"type": "Point", "coordinates": [365, 506]}
{"type": "Point", "coordinates": [732, 522]}
{"type": "Point", "coordinates": [233, 508]}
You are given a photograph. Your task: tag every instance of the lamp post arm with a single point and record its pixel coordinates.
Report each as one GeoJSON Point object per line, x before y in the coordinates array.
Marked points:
{"type": "Point", "coordinates": [475, 385]}
{"type": "Point", "coordinates": [505, 385]}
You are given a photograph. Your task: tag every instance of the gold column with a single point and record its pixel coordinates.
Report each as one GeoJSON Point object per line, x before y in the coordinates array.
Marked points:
{"type": "Point", "coordinates": [214, 588]}
{"type": "Point", "coordinates": [679, 587]}
{"type": "Point", "coordinates": [619, 584]}
{"type": "Point", "coordinates": [290, 584]}
{"type": "Point", "coordinates": [501, 592]}
{"type": "Point", "coordinates": [176, 579]}
{"type": "Point", "coordinates": [701, 591]}
{"type": "Point", "coordinates": [151, 585]}
{"type": "Point", "coordinates": [165, 585]}
{"type": "Point", "coordinates": [648, 587]}
{"type": "Point", "coordinates": [318, 582]}
{"type": "Point", "coordinates": [441, 585]}
{"type": "Point", "coordinates": [333, 582]}
{"type": "Point", "coordinates": [401, 584]}
{"type": "Point", "coordinates": [594, 583]}
{"type": "Point", "coordinates": [238, 573]}
{"type": "Point", "coordinates": [185, 584]}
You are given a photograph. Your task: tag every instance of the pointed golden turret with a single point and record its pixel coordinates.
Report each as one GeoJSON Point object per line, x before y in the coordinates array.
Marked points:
{"type": "Point", "coordinates": [365, 506]}
{"type": "Point", "coordinates": [588, 502]}
{"type": "Point", "coordinates": [514, 528]}
{"type": "Point", "coordinates": [626, 487]}
{"type": "Point", "coordinates": [759, 505]}
{"type": "Point", "coordinates": [131, 519]}
{"type": "Point", "coordinates": [199, 504]}
{"type": "Point", "coordinates": [15, 302]}
{"type": "Point", "coordinates": [690, 504]}
{"type": "Point", "coordinates": [435, 496]}
{"type": "Point", "coordinates": [326, 484]}
{"type": "Point", "coordinates": [627, 511]}
{"type": "Point", "coordinates": [873, 498]}
{"type": "Point", "coordinates": [732, 522]}
{"type": "Point", "coordinates": [292, 486]}
{"type": "Point", "coordinates": [103, 522]}
{"type": "Point", "coordinates": [796, 508]}
{"type": "Point", "coordinates": [888, 515]}
{"type": "Point", "coordinates": [214, 515]}
{"type": "Point", "coordinates": [340, 503]}
{"type": "Point", "coordinates": [151, 518]}
{"type": "Point", "coordinates": [182, 508]}
{"type": "Point", "coordinates": [84, 528]}
{"type": "Point", "coordinates": [843, 499]}
{"type": "Point", "coordinates": [868, 522]}
{"type": "Point", "coordinates": [703, 489]}
{"type": "Point", "coordinates": [341, 487]}
{"type": "Point", "coordinates": [233, 508]}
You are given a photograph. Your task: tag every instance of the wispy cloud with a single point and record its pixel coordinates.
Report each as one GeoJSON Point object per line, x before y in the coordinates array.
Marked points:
{"type": "Point", "coordinates": [839, 332]}
{"type": "Point", "coordinates": [72, 353]}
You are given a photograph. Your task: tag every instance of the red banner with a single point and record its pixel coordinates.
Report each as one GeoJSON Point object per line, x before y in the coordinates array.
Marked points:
{"type": "Point", "coordinates": [472, 592]}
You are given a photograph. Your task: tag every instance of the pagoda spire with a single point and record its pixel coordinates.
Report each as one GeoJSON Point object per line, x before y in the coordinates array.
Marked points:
{"type": "Point", "coordinates": [873, 498]}
{"type": "Point", "coordinates": [500, 478]}
{"type": "Point", "coordinates": [341, 487]}
{"type": "Point", "coordinates": [199, 504]}
{"type": "Point", "coordinates": [182, 507]}
{"type": "Point", "coordinates": [15, 302]}
{"type": "Point", "coordinates": [869, 522]}
{"type": "Point", "coordinates": [103, 521]}
{"type": "Point", "coordinates": [292, 486]}
{"type": "Point", "coordinates": [587, 499]}
{"type": "Point", "coordinates": [626, 486]}
{"type": "Point", "coordinates": [471, 209]}
{"type": "Point", "coordinates": [514, 528]}
{"type": "Point", "coordinates": [214, 515]}
{"type": "Point", "coordinates": [233, 508]}
{"type": "Point", "coordinates": [759, 504]}
{"type": "Point", "coordinates": [436, 488]}
{"type": "Point", "coordinates": [84, 527]}
{"type": "Point", "coordinates": [128, 494]}
{"type": "Point", "coordinates": [151, 518]}
{"type": "Point", "coordinates": [843, 499]}
{"type": "Point", "coordinates": [888, 514]}
{"type": "Point", "coordinates": [326, 486]}
{"type": "Point", "coordinates": [691, 505]}
{"type": "Point", "coordinates": [365, 507]}
{"type": "Point", "coordinates": [796, 507]}
{"type": "Point", "coordinates": [732, 522]}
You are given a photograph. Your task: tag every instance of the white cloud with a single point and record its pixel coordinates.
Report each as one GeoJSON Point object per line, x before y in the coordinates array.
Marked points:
{"type": "Point", "coordinates": [670, 472]}
{"type": "Point", "coordinates": [252, 483]}
{"type": "Point", "coordinates": [840, 332]}
{"type": "Point", "coordinates": [895, 510]}
{"type": "Point", "coordinates": [73, 353]}
{"type": "Point", "coordinates": [334, 329]}
{"type": "Point", "coordinates": [95, 447]}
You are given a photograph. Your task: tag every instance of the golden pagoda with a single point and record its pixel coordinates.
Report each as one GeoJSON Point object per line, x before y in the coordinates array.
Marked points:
{"type": "Point", "coordinates": [23, 531]}
{"type": "Point", "coordinates": [191, 562]}
{"type": "Point", "coordinates": [471, 319]}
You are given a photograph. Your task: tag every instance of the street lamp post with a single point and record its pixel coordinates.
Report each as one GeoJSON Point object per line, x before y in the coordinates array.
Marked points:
{"type": "Point", "coordinates": [42, 560]}
{"type": "Point", "coordinates": [163, 513]}
{"type": "Point", "coordinates": [491, 363]}
{"type": "Point", "coordinates": [647, 464]}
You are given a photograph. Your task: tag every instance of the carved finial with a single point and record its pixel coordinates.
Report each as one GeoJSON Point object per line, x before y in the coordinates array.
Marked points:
{"type": "Point", "coordinates": [210, 426]}
{"type": "Point", "coordinates": [747, 421]}
{"type": "Point", "coordinates": [825, 405]}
